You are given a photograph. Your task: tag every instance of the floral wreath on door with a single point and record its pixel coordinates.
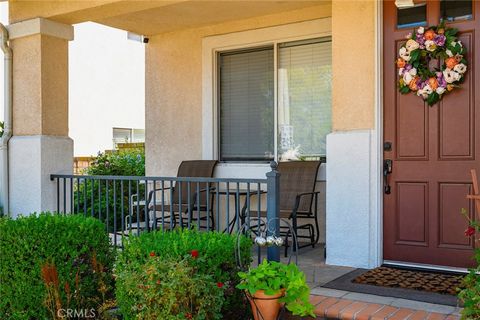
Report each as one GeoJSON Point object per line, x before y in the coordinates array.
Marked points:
{"type": "Point", "coordinates": [424, 47]}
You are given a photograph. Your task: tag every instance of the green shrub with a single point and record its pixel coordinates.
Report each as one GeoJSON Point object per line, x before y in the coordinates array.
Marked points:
{"type": "Point", "coordinates": [120, 163]}
{"type": "Point", "coordinates": [50, 262]}
{"type": "Point", "coordinates": [209, 253]}
{"type": "Point", "coordinates": [169, 289]}
{"type": "Point", "coordinates": [470, 294]}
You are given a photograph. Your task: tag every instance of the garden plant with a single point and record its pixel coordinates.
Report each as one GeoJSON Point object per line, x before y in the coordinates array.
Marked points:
{"type": "Point", "coordinates": [196, 270]}
{"type": "Point", "coordinates": [277, 279]}
{"type": "Point", "coordinates": [470, 294]}
{"type": "Point", "coordinates": [53, 263]}
{"type": "Point", "coordinates": [119, 163]}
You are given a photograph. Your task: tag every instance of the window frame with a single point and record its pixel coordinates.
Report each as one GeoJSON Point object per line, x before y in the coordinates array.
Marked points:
{"type": "Point", "coordinates": [214, 45]}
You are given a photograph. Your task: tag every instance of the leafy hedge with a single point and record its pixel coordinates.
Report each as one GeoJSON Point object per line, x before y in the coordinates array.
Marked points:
{"type": "Point", "coordinates": [209, 254]}
{"type": "Point", "coordinates": [120, 163]}
{"type": "Point", "coordinates": [50, 262]}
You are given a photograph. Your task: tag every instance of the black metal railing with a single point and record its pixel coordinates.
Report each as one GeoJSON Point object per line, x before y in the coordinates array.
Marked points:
{"type": "Point", "coordinates": [129, 205]}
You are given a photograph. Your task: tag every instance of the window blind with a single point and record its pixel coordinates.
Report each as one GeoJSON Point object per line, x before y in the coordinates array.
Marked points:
{"type": "Point", "coordinates": [304, 97]}
{"type": "Point", "coordinates": [246, 105]}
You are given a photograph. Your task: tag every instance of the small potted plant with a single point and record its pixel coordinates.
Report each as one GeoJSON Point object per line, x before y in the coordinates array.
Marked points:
{"type": "Point", "coordinates": [272, 285]}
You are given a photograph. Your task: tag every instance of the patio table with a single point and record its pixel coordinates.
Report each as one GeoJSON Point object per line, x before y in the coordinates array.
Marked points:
{"type": "Point", "coordinates": [237, 194]}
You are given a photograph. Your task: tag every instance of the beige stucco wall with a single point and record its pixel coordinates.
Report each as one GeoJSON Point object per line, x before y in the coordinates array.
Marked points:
{"type": "Point", "coordinates": [174, 87]}
{"type": "Point", "coordinates": [353, 64]}
{"type": "Point", "coordinates": [40, 90]}
{"type": "Point", "coordinates": [174, 73]}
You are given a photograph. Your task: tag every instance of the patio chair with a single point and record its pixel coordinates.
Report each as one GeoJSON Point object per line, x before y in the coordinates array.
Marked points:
{"type": "Point", "coordinates": [190, 168]}
{"type": "Point", "coordinates": [193, 196]}
{"type": "Point", "coordinates": [298, 200]}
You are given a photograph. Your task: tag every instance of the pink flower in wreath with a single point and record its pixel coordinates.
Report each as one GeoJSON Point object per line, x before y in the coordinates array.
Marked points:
{"type": "Point", "coordinates": [440, 40]}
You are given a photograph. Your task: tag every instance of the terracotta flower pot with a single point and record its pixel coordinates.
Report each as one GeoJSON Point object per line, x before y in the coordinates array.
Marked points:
{"type": "Point", "coordinates": [265, 307]}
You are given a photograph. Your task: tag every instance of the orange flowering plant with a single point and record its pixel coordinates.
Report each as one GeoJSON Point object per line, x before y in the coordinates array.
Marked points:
{"type": "Point", "coordinates": [423, 46]}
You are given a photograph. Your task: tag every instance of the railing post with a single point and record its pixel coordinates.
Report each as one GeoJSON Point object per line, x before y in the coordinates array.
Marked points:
{"type": "Point", "coordinates": [273, 209]}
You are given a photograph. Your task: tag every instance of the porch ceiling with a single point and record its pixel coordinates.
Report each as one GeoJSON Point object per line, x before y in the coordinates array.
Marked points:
{"type": "Point", "coordinates": [152, 17]}
{"type": "Point", "coordinates": [189, 14]}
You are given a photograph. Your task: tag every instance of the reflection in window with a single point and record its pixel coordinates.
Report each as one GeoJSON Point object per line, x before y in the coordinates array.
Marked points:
{"type": "Point", "coordinates": [453, 10]}
{"type": "Point", "coordinates": [304, 98]}
{"type": "Point", "coordinates": [412, 16]}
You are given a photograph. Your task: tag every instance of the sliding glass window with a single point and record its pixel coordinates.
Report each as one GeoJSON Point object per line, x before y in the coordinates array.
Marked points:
{"type": "Point", "coordinates": [248, 128]}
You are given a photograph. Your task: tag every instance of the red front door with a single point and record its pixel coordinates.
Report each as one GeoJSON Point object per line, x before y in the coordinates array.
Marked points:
{"type": "Point", "coordinates": [432, 149]}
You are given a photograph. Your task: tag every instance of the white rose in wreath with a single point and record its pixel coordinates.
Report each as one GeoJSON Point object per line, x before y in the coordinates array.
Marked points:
{"type": "Point", "coordinates": [422, 93]}
{"type": "Point", "coordinates": [425, 92]}
{"type": "Point", "coordinates": [404, 54]}
{"type": "Point", "coordinates": [412, 45]}
{"type": "Point", "coordinates": [421, 30]}
{"type": "Point", "coordinates": [430, 45]}
{"type": "Point", "coordinates": [460, 68]}
{"type": "Point", "coordinates": [451, 76]}
{"type": "Point", "coordinates": [407, 77]}
{"type": "Point", "coordinates": [440, 90]}
{"type": "Point", "coordinates": [413, 72]}
{"type": "Point", "coordinates": [427, 89]}
{"type": "Point", "coordinates": [449, 53]}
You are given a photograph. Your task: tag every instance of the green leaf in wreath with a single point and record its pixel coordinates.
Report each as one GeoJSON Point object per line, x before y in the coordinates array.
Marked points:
{"type": "Point", "coordinates": [432, 98]}
{"type": "Point", "coordinates": [451, 32]}
{"type": "Point", "coordinates": [442, 55]}
{"type": "Point", "coordinates": [458, 48]}
{"type": "Point", "coordinates": [414, 55]}
{"type": "Point", "coordinates": [404, 90]}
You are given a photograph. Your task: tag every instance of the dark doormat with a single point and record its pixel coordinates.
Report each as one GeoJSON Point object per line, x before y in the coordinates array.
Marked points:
{"type": "Point", "coordinates": [431, 287]}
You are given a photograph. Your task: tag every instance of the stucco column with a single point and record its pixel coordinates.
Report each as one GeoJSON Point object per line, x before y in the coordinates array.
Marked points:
{"type": "Point", "coordinates": [40, 144]}
{"type": "Point", "coordinates": [353, 236]}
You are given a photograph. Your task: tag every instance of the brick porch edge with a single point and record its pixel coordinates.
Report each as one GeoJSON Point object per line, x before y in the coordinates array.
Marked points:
{"type": "Point", "coordinates": [345, 309]}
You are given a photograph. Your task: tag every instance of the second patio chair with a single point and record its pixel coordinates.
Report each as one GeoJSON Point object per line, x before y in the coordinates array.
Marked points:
{"type": "Point", "coordinates": [298, 201]}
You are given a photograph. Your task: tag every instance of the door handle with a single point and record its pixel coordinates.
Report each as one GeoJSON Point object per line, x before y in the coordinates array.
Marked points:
{"type": "Point", "coordinates": [387, 170]}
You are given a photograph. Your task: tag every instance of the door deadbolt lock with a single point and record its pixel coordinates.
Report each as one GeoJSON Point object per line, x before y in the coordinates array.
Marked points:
{"type": "Point", "coordinates": [387, 146]}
